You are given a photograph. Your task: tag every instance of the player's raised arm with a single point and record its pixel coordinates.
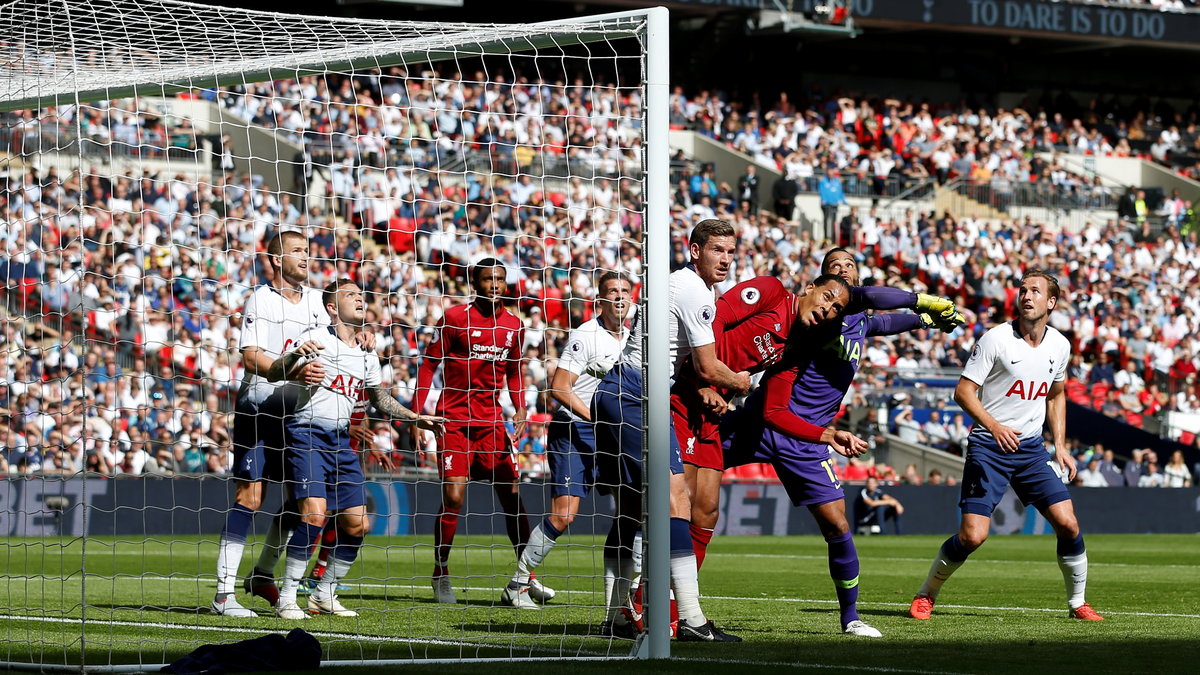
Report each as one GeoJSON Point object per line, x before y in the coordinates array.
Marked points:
{"type": "Point", "coordinates": [938, 312]}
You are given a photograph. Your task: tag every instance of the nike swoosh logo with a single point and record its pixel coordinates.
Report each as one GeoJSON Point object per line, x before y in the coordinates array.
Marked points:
{"type": "Point", "coordinates": [1016, 361]}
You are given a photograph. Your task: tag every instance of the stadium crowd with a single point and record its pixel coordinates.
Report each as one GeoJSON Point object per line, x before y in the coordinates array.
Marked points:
{"type": "Point", "coordinates": [122, 292]}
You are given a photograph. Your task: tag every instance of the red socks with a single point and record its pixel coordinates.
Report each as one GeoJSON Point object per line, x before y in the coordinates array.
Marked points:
{"type": "Point", "coordinates": [700, 538]}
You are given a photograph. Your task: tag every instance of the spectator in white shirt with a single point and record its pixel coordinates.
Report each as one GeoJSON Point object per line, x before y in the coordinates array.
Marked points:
{"type": "Point", "coordinates": [1153, 477]}
{"type": "Point", "coordinates": [1092, 476]}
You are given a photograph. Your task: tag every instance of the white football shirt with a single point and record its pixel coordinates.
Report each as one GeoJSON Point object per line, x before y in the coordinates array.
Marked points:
{"type": "Point", "coordinates": [1014, 377]}
{"type": "Point", "coordinates": [273, 323]}
{"type": "Point", "coordinates": [348, 372]}
{"type": "Point", "coordinates": [631, 354]}
{"type": "Point", "coordinates": [693, 309]}
{"type": "Point", "coordinates": [588, 342]}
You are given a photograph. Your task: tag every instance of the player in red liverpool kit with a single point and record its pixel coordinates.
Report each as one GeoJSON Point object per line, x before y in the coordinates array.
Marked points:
{"type": "Point", "coordinates": [752, 325]}
{"type": "Point", "coordinates": [753, 321]}
{"type": "Point", "coordinates": [478, 347]}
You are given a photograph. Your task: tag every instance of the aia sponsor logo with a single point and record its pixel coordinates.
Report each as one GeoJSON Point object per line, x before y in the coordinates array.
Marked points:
{"type": "Point", "coordinates": [1028, 390]}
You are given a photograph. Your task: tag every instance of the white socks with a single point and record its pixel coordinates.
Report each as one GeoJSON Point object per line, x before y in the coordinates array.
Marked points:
{"type": "Point", "coordinates": [335, 571]}
{"type": "Point", "coordinates": [616, 585]}
{"type": "Point", "coordinates": [536, 550]}
{"type": "Point", "coordinates": [684, 579]}
{"type": "Point", "coordinates": [1074, 570]}
{"type": "Point", "coordinates": [939, 572]}
{"type": "Point", "coordinates": [229, 557]}
{"type": "Point", "coordinates": [293, 572]}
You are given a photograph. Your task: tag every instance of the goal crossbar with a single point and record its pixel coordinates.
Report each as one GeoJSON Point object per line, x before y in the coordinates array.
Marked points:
{"type": "Point", "coordinates": [24, 86]}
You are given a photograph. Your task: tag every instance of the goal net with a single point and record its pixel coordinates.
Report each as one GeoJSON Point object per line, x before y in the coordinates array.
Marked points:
{"type": "Point", "coordinates": [149, 151]}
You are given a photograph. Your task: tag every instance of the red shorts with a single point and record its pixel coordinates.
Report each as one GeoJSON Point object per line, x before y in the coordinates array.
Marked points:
{"type": "Point", "coordinates": [697, 428]}
{"type": "Point", "coordinates": [478, 452]}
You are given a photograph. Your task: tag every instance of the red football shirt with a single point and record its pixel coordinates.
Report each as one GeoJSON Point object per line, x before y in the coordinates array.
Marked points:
{"type": "Point", "coordinates": [480, 355]}
{"type": "Point", "coordinates": [754, 319]}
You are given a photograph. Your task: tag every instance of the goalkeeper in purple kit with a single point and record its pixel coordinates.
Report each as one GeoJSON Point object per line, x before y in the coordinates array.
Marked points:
{"type": "Point", "coordinates": [788, 420]}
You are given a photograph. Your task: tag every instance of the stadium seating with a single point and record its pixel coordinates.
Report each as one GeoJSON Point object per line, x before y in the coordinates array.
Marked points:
{"type": "Point", "coordinates": [977, 260]}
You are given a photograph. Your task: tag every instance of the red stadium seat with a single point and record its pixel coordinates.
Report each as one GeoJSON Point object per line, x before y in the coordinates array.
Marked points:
{"type": "Point", "coordinates": [753, 473]}
{"type": "Point", "coordinates": [1077, 392]}
{"type": "Point", "coordinates": [732, 475]}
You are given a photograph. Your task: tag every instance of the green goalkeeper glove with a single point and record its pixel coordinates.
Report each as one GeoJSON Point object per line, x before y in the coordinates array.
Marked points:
{"type": "Point", "coordinates": [933, 304]}
{"type": "Point", "coordinates": [946, 321]}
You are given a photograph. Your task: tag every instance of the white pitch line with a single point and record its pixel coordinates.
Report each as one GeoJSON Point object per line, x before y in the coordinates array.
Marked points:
{"type": "Point", "coordinates": [735, 598]}
{"type": "Point", "coordinates": [768, 556]}
{"type": "Point", "coordinates": [814, 666]}
{"type": "Point", "coordinates": [974, 561]}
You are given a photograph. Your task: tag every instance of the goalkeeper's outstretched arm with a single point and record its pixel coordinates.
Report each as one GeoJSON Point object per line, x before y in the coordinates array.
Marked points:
{"type": "Point", "coordinates": [938, 312]}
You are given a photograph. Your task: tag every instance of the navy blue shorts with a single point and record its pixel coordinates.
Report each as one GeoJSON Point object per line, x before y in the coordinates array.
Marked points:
{"type": "Point", "coordinates": [617, 413]}
{"type": "Point", "coordinates": [258, 441]}
{"type": "Point", "coordinates": [807, 470]}
{"type": "Point", "coordinates": [572, 452]}
{"type": "Point", "coordinates": [321, 464]}
{"type": "Point", "coordinates": [989, 471]}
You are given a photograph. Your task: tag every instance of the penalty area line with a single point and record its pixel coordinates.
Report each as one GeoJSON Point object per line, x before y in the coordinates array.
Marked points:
{"type": "Point", "coordinates": [814, 666]}
{"type": "Point", "coordinates": [973, 561]}
{"type": "Point", "coordinates": [735, 598]}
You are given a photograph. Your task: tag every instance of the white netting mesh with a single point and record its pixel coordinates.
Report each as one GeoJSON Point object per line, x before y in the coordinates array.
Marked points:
{"type": "Point", "coordinates": [66, 48]}
{"type": "Point", "coordinates": [133, 225]}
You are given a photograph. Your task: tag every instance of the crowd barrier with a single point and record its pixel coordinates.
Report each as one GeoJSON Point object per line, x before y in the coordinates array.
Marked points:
{"type": "Point", "coordinates": [142, 507]}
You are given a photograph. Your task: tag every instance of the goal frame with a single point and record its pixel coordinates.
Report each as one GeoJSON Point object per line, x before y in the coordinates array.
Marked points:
{"type": "Point", "coordinates": [69, 89]}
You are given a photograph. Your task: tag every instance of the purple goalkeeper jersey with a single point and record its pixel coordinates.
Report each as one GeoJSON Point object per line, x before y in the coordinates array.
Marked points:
{"type": "Point", "coordinates": [822, 376]}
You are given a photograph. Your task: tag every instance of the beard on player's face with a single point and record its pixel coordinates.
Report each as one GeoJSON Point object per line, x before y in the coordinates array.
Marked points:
{"type": "Point", "coordinates": [820, 305]}
{"type": "Point", "coordinates": [491, 285]}
{"type": "Point", "coordinates": [714, 260]}
{"type": "Point", "coordinates": [294, 265]}
{"type": "Point", "coordinates": [1034, 307]}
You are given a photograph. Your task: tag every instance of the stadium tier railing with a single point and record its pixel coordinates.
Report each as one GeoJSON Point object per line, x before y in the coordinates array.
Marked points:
{"type": "Point", "coordinates": [899, 453]}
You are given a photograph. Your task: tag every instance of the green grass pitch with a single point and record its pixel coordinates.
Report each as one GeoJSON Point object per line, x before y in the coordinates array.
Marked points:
{"type": "Point", "coordinates": [146, 603]}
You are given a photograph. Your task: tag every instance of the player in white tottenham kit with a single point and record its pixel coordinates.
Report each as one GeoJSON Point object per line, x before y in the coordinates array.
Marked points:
{"type": "Point", "coordinates": [591, 351]}
{"type": "Point", "coordinates": [273, 318]}
{"type": "Point", "coordinates": [693, 310]}
{"type": "Point", "coordinates": [618, 403]}
{"type": "Point", "coordinates": [1012, 384]}
{"type": "Point", "coordinates": [323, 473]}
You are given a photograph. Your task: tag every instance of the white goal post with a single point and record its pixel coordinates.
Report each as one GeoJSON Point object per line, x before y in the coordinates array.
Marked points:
{"type": "Point", "coordinates": [125, 127]}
